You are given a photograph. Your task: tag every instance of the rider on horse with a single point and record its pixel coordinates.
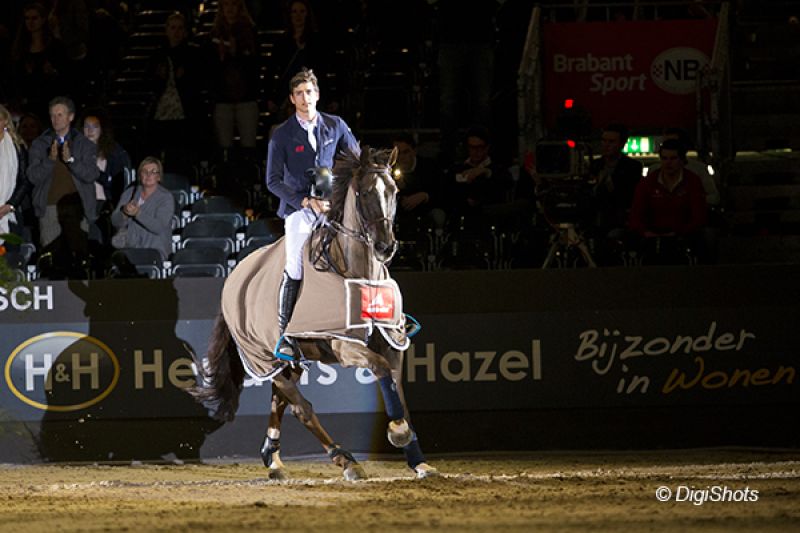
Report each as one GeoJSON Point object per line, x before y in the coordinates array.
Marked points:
{"type": "Point", "coordinates": [306, 141]}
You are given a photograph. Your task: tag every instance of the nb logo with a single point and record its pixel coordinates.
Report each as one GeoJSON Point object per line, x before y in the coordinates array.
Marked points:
{"type": "Point", "coordinates": [675, 70]}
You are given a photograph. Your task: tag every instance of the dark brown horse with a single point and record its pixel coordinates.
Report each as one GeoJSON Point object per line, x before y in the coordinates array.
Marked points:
{"type": "Point", "coordinates": [345, 266]}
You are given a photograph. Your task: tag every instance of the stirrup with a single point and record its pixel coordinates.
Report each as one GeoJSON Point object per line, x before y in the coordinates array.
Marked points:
{"type": "Point", "coordinates": [287, 350]}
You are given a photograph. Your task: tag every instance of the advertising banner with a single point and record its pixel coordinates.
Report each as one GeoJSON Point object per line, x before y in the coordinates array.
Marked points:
{"type": "Point", "coordinates": [640, 73]}
{"type": "Point", "coordinates": [122, 351]}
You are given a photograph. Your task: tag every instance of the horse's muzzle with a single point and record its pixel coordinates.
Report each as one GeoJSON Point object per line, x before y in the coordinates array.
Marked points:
{"type": "Point", "coordinates": [384, 251]}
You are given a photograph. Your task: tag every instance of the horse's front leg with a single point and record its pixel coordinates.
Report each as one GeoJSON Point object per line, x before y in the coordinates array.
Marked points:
{"type": "Point", "coordinates": [271, 447]}
{"type": "Point", "coordinates": [304, 412]}
{"type": "Point", "coordinates": [401, 433]}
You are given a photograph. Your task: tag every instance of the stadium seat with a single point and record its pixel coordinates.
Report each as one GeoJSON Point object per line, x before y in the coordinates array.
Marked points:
{"type": "Point", "coordinates": [199, 262]}
{"type": "Point", "coordinates": [136, 262]}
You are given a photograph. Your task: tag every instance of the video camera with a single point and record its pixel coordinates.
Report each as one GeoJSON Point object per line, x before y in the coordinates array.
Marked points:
{"type": "Point", "coordinates": [563, 168]}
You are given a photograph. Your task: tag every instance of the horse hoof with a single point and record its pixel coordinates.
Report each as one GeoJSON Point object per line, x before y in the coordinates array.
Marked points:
{"type": "Point", "coordinates": [399, 434]}
{"type": "Point", "coordinates": [424, 470]}
{"type": "Point", "coordinates": [277, 474]}
{"type": "Point", "coordinates": [354, 472]}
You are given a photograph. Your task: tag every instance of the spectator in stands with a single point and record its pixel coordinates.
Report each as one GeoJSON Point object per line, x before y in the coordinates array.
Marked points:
{"type": "Point", "coordinates": [476, 183]}
{"type": "Point", "coordinates": [466, 35]}
{"type": "Point", "coordinates": [63, 170]}
{"type": "Point", "coordinates": [695, 165]}
{"type": "Point", "coordinates": [614, 177]}
{"type": "Point", "coordinates": [143, 216]}
{"type": "Point", "coordinates": [69, 21]}
{"type": "Point", "coordinates": [107, 34]}
{"type": "Point", "coordinates": [112, 159]}
{"type": "Point", "coordinates": [176, 112]}
{"type": "Point", "coordinates": [300, 46]}
{"type": "Point", "coordinates": [670, 202]}
{"type": "Point", "coordinates": [306, 140]}
{"type": "Point", "coordinates": [29, 127]}
{"type": "Point", "coordinates": [235, 76]}
{"type": "Point", "coordinates": [14, 186]}
{"type": "Point", "coordinates": [37, 59]}
{"type": "Point", "coordinates": [419, 183]}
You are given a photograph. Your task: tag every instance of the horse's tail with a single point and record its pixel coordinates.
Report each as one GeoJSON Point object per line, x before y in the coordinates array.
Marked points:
{"type": "Point", "coordinates": [222, 375]}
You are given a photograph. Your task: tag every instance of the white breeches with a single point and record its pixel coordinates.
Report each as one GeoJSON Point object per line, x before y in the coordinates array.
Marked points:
{"type": "Point", "coordinates": [298, 229]}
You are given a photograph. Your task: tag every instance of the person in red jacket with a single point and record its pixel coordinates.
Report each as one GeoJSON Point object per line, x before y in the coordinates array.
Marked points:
{"type": "Point", "coordinates": [669, 206]}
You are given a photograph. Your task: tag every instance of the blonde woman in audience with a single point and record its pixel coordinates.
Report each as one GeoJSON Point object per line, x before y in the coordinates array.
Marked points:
{"type": "Point", "coordinates": [13, 183]}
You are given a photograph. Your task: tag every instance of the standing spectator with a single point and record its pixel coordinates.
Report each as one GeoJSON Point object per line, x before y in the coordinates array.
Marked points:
{"type": "Point", "coordinates": [466, 66]}
{"type": "Point", "coordinates": [143, 215]}
{"type": "Point", "coordinates": [14, 186]}
{"type": "Point", "coordinates": [176, 112]}
{"type": "Point", "coordinates": [306, 140]}
{"type": "Point", "coordinates": [63, 170]}
{"type": "Point", "coordinates": [107, 34]}
{"type": "Point", "coordinates": [29, 127]}
{"type": "Point", "coordinates": [37, 59]}
{"type": "Point", "coordinates": [69, 21]}
{"type": "Point", "coordinates": [300, 46]}
{"type": "Point", "coordinates": [112, 159]}
{"type": "Point", "coordinates": [235, 76]}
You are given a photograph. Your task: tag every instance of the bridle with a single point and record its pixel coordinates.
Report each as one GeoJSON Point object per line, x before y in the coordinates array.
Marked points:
{"type": "Point", "coordinates": [362, 232]}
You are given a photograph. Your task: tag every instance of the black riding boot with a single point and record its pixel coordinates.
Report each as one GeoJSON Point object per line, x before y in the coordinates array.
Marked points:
{"type": "Point", "coordinates": [287, 297]}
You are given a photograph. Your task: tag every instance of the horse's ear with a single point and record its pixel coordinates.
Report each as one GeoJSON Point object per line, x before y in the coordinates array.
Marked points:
{"type": "Point", "coordinates": [393, 157]}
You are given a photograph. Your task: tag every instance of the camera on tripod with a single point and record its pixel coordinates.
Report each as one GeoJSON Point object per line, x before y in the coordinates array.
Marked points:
{"type": "Point", "coordinates": [563, 168]}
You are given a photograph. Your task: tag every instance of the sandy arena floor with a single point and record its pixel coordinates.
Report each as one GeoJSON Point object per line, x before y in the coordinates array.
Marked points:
{"type": "Point", "coordinates": [532, 492]}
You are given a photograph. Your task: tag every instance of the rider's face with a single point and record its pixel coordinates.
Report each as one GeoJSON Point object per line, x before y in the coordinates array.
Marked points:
{"type": "Point", "coordinates": [305, 97]}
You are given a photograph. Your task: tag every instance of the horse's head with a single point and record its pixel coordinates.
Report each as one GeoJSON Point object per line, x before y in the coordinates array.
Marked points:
{"type": "Point", "coordinates": [363, 202]}
{"type": "Point", "coordinates": [376, 200]}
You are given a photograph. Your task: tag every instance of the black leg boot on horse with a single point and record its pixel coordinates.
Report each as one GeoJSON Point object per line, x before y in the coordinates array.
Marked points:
{"type": "Point", "coordinates": [287, 298]}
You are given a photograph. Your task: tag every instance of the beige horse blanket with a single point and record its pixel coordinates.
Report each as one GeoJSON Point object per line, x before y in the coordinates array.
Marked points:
{"type": "Point", "coordinates": [329, 307]}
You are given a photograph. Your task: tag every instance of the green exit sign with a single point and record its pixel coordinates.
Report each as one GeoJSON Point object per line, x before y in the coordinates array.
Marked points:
{"type": "Point", "coordinates": [639, 145]}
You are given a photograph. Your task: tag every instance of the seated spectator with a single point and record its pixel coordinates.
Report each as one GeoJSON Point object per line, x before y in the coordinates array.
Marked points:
{"type": "Point", "coordinates": [419, 186]}
{"type": "Point", "coordinates": [614, 177]}
{"type": "Point", "coordinates": [695, 165]}
{"type": "Point", "coordinates": [143, 216]}
{"type": "Point", "coordinates": [478, 182]}
{"type": "Point", "coordinates": [670, 203]}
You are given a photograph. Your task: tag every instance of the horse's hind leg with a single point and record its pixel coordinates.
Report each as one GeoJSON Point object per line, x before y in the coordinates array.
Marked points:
{"type": "Point", "coordinates": [304, 412]}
